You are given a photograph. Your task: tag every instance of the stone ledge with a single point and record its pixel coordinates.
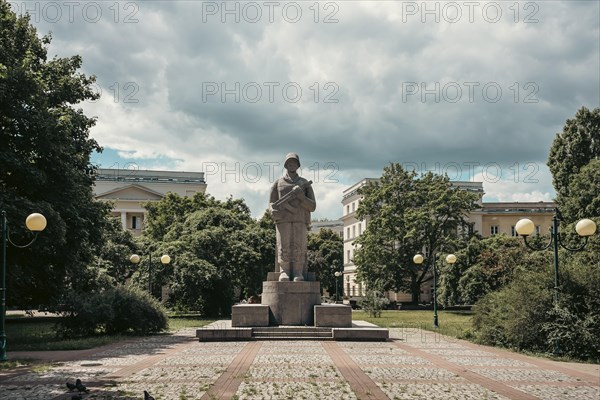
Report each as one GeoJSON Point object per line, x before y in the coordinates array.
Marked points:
{"type": "Point", "coordinates": [218, 335]}
{"type": "Point", "coordinates": [333, 315]}
{"type": "Point", "coordinates": [367, 334]}
{"type": "Point", "coordinates": [246, 315]}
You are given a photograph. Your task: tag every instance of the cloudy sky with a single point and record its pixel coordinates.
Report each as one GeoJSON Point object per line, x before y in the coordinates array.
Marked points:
{"type": "Point", "coordinates": [474, 89]}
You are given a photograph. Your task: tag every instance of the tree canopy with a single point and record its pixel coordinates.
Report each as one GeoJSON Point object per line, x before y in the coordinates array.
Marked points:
{"type": "Point", "coordinates": [583, 200]}
{"type": "Point", "coordinates": [219, 253]}
{"type": "Point", "coordinates": [486, 265]}
{"type": "Point", "coordinates": [408, 214]}
{"type": "Point", "coordinates": [44, 155]}
{"type": "Point", "coordinates": [325, 258]}
{"type": "Point", "coordinates": [573, 149]}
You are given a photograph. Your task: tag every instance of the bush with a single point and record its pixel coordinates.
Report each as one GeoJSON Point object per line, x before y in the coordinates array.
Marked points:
{"type": "Point", "coordinates": [574, 325]}
{"type": "Point", "coordinates": [373, 302]}
{"type": "Point", "coordinates": [513, 316]}
{"type": "Point", "coordinates": [522, 315]}
{"type": "Point", "coordinates": [136, 311]}
{"type": "Point", "coordinates": [124, 310]}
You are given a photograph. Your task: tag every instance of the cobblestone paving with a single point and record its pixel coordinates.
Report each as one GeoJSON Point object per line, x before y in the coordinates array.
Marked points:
{"type": "Point", "coordinates": [454, 391]}
{"type": "Point", "coordinates": [293, 370]}
{"type": "Point", "coordinates": [414, 365]}
{"type": "Point", "coordinates": [561, 393]}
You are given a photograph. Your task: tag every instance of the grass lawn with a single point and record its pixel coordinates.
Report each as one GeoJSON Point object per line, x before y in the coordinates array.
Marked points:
{"type": "Point", "coordinates": [179, 322]}
{"type": "Point", "coordinates": [452, 323]}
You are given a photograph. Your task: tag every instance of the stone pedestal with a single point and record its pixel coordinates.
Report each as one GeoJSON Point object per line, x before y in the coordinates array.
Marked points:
{"type": "Point", "coordinates": [291, 303]}
{"type": "Point", "coordinates": [250, 315]}
{"type": "Point", "coordinates": [333, 315]}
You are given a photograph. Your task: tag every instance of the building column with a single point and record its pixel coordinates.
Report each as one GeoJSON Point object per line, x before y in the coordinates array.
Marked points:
{"type": "Point", "coordinates": [124, 219]}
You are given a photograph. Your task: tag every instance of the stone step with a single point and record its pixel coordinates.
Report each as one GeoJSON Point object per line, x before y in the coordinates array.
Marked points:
{"type": "Point", "coordinates": [282, 333]}
{"type": "Point", "coordinates": [320, 338]}
{"type": "Point", "coordinates": [291, 329]}
{"type": "Point", "coordinates": [297, 334]}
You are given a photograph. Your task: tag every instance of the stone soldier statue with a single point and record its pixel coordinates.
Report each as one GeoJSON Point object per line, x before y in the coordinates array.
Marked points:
{"type": "Point", "coordinates": [291, 202]}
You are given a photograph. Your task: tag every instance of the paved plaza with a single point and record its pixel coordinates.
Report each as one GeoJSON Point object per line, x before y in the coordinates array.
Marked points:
{"type": "Point", "coordinates": [414, 364]}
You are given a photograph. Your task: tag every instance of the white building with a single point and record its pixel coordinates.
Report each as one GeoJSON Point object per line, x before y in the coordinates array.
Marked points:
{"type": "Point", "coordinates": [129, 189]}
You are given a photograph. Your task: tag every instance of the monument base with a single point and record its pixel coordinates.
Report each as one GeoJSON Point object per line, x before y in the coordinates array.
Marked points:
{"type": "Point", "coordinates": [291, 303]}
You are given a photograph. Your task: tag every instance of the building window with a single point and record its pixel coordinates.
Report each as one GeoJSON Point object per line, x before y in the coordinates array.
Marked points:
{"type": "Point", "coordinates": [134, 222]}
{"type": "Point", "coordinates": [359, 228]}
{"type": "Point", "coordinates": [353, 206]}
{"type": "Point", "coordinates": [538, 229]}
{"type": "Point", "coordinates": [347, 256]}
{"type": "Point", "coordinates": [348, 233]}
{"type": "Point", "coordinates": [353, 290]}
{"type": "Point", "coordinates": [347, 287]}
{"type": "Point", "coordinates": [354, 231]}
{"type": "Point", "coordinates": [494, 230]}
{"type": "Point", "coordinates": [513, 232]}
{"type": "Point", "coordinates": [347, 209]}
{"type": "Point", "coordinates": [360, 292]}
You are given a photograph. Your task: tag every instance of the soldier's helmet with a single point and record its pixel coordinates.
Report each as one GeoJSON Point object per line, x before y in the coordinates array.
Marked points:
{"type": "Point", "coordinates": [291, 156]}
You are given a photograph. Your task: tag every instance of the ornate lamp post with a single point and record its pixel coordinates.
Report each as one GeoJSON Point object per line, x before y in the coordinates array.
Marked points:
{"type": "Point", "coordinates": [36, 223]}
{"type": "Point", "coordinates": [585, 228]}
{"type": "Point", "coordinates": [164, 259]}
{"type": "Point", "coordinates": [337, 281]}
{"type": "Point", "coordinates": [450, 259]}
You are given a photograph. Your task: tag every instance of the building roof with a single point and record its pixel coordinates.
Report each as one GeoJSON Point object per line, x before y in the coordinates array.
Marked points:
{"type": "Point", "coordinates": [517, 207]}
{"type": "Point", "coordinates": [150, 176]}
{"type": "Point", "coordinates": [464, 185]}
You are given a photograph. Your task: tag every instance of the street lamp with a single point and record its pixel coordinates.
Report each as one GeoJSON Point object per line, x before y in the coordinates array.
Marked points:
{"type": "Point", "coordinates": [135, 259]}
{"type": "Point", "coordinates": [337, 275]}
{"type": "Point", "coordinates": [450, 259]}
{"type": "Point", "coordinates": [35, 223]}
{"type": "Point", "coordinates": [584, 228]}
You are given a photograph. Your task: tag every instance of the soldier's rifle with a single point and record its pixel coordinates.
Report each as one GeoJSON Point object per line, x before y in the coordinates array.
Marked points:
{"type": "Point", "coordinates": [283, 202]}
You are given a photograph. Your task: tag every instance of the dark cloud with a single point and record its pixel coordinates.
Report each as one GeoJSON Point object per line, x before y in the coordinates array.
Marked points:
{"type": "Point", "coordinates": [368, 58]}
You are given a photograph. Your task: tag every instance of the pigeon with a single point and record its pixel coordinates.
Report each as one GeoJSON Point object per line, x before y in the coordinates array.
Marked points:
{"type": "Point", "coordinates": [71, 386]}
{"type": "Point", "coordinates": [147, 396]}
{"type": "Point", "coordinates": [80, 386]}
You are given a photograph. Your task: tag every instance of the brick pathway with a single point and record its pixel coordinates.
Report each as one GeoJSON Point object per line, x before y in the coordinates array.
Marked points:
{"type": "Point", "coordinates": [416, 364]}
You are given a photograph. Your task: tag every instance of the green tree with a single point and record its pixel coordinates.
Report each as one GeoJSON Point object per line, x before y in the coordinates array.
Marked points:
{"type": "Point", "coordinates": [44, 155]}
{"type": "Point", "coordinates": [486, 265]}
{"type": "Point", "coordinates": [583, 200]}
{"type": "Point", "coordinates": [215, 246]}
{"type": "Point", "coordinates": [407, 215]}
{"type": "Point", "coordinates": [119, 245]}
{"type": "Point", "coordinates": [325, 258]}
{"type": "Point", "coordinates": [574, 148]}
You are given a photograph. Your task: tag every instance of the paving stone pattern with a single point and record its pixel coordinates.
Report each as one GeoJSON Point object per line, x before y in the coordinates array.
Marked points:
{"type": "Point", "coordinates": [414, 364]}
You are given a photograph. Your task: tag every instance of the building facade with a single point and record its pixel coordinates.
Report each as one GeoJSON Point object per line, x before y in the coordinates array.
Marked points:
{"type": "Point", "coordinates": [490, 219]}
{"type": "Point", "coordinates": [495, 218]}
{"type": "Point", "coordinates": [129, 189]}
